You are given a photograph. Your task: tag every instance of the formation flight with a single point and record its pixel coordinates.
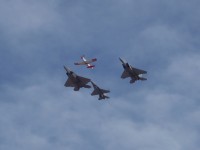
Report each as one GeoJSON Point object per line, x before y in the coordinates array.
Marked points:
{"type": "Point", "coordinates": [76, 81]}
{"type": "Point", "coordinates": [86, 62]}
{"type": "Point", "coordinates": [99, 91]}
{"type": "Point", "coordinates": [131, 72]}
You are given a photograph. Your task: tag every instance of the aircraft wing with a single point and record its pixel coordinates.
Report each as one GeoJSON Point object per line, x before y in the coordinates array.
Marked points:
{"type": "Point", "coordinates": [139, 71]}
{"type": "Point", "coordinates": [95, 92]}
{"type": "Point", "coordinates": [105, 91]}
{"type": "Point", "coordinates": [84, 80]}
{"type": "Point", "coordinates": [68, 83]}
{"type": "Point", "coordinates": [90, 61]}
{"type": "Point", "coordinates": [80, 63]}
{"type": "Point", "coordinates": [86, 62]}
{"type": "Point", "coordinates": [125, 75]}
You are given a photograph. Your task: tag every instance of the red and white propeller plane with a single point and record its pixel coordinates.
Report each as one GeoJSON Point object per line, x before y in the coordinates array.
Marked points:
{"type": "Point", "coordinates": [86, 62]}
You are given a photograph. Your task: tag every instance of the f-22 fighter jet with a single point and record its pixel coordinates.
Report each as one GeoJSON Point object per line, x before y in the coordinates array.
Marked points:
{"type": "Point", "coordinates": [99, 91]}
{"type": "Point", "coordinates": [75, 81]}
{"type": "Point", "coordinates": [132, 72]}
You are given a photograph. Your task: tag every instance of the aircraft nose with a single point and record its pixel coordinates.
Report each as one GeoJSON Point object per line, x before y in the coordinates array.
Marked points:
{"type": "Point", "coordinates": [67, 69]}
{"type": "Point", "coordinates": [121, 60]}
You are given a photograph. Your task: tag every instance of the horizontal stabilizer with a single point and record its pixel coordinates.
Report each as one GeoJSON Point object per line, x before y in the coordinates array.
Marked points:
{"type": "Point", "coordinates": [105, 91]}
{"type": "Point", "coordinates": [92, 66]}
{"type": "Point", "coordinates": [103, 98]}
{"type": "Point", "coordinates": [141, 78]}
{"type": "Point", "coordinates": [132, 80]}
{"type": "Point", "coordinates": [76, 88]}
{"type": "Point", "coordinates": [94, 59]}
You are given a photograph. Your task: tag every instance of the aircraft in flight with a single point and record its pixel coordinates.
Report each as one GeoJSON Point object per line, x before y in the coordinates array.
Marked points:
{"type": "Point", "coordinates": [133, 73]}
{"type": "Point", "coordinates": [76, 81]}
{"type": "Point", "coordinates": [99, 91]}
{"type": "Point", "coordinates": [86, 62]}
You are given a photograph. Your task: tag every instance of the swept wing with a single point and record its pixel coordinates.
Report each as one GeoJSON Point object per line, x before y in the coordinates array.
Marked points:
{"type": "Point", "coordinates": [86, 62]}
{"type": "Point", "coordinates": [105, 91]}
{"type": "Point", "coordinates": [95, 92]}
{"type": "Point", "coordinates": [125, 75]}
{"type": "Point", "coordinates": [83, 80]}
{"type": "Point", "coordinates": [139, 71]}
{"type": "Point", "coordinates": [69, 83]}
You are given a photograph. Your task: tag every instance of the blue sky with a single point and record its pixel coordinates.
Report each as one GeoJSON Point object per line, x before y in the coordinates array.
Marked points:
{"type": "Point", "coordinates": [38, 37]}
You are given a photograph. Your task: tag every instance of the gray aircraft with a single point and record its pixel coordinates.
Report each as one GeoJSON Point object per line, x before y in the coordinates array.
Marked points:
{"type": "Point", "coordinates": [75, 81]}
{"type": "Point", "coordinates": [133, 73]}
{"type": "Point", "coordinates": [99, 91]}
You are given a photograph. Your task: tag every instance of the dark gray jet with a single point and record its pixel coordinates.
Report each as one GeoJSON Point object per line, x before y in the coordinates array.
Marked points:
{"type": "Point", "coordinates": [132, 72]}
{"type": "Point", "coordinates": [76, 81]}
{"type": "Point", "coordinates": [99, 91]}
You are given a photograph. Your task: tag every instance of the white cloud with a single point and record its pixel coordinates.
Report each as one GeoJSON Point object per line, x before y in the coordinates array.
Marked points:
{"type": "Point", "coordinates": [183, 72]}
{"type": "Point", "coordinates": [22, 16]}
{"type": "Point", "coordinates": [45, 114]}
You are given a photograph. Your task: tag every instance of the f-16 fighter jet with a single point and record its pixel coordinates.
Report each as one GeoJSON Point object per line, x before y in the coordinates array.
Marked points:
{"type": "Point", "coordinates": [132, 72]}
{"type": "Point", "coordinates": [86, 62]}
{"type": "Point", "coordinates": [75, 81]}
{"type": "Point", "coordinates": [99, 91]}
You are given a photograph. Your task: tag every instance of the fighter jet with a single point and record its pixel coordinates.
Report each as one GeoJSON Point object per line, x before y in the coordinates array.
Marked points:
{"type": "Point", "coordinates": [99, 91]}
{"type": "Point", "coordinates": [132, 72]}
{"type": "Point", "coordinates": [86, 62]}
{"type": "Point", "coordinates": [75, 81]}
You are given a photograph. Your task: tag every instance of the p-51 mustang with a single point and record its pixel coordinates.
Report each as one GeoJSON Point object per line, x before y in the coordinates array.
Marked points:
{"type": "Point", "coordinates": [133, 73]}
{"type": "Point", "coordinates": [86, 62]}
{"type": "Point", "coordinates": [76, 81]}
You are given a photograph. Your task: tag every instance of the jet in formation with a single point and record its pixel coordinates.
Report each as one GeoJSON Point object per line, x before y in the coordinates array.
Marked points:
{"type": "Point", "coordinates": [76, 81]}
{"type": "Point", "coordinates": [133, 73]}
{"type": "Point", "coordinates": [99, 91]}
{"type": "Point", "coordinates": [86, 62]}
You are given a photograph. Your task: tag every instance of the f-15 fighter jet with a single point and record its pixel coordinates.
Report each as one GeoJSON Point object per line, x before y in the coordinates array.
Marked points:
{"type": "Point", "coordinates": [86, 62]}
{"type": "Point", "coordinates": [99, 91]}
{"type": "Point", "coordinates": [132, 72]}
{"type": "Point", "coordinates": [75, 81]}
